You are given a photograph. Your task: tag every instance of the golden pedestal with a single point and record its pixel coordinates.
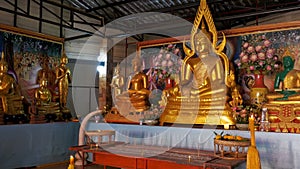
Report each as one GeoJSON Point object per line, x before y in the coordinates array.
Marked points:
{"type": "Point", "coordinates": [284, 116]}
{"type": "Point", "coordinates": [192, 111]}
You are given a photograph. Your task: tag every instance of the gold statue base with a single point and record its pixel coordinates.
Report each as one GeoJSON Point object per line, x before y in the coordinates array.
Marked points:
{"type": "Point", "coordinates": [191, 111]}
{"type": "Point", "coordinates": [125, 107]}
{"type": "Point", "coordinates": [114, 116]}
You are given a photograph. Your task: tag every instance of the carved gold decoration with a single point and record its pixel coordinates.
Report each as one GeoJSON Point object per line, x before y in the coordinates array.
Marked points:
{"type": "Point", "coordinates": [284, 116]}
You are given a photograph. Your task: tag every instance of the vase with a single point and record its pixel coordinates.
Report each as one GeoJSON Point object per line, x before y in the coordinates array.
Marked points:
{"type": "Point", "coordinates": [169, 83]}
{"type": "Point", "coordinates": [258, 90]}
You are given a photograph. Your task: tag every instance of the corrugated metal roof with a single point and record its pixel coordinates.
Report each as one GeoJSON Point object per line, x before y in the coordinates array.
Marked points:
{"type": "Point", "coordinates": [226, 13]}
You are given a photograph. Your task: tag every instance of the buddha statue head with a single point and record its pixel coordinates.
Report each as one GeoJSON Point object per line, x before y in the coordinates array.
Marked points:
{"type": "Point", "coordinates": [288, 62]}
{"type": "Point", "coordinates": [64, 58]}
{"type": "Point", "coordinates": [117, 69]}
{"type": "Point", "coordinates": [43, 81]}
{"type": "Point", "coordinates": [136, 64]}
{"type": "Point", "coordinates": [202, 43]}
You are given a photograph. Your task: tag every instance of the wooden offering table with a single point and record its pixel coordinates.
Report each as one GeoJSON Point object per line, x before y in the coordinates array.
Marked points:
{"type": "Point", "coordinates": [231, 149]}
{"type": "Point", "coordinates": [130, 156]}
{"type": "Point", "coordinates": [110, 134]}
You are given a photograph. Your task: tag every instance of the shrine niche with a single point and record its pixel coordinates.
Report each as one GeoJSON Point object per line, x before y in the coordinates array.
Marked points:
{"type": "Point", "coordinates": [31, 59]}
{"type": "Point", "coordinates": [177, 90]}
{"type": "Point", "coordinates": [252, 53]}
{"type": "Point", "coordinates": [274, 41]}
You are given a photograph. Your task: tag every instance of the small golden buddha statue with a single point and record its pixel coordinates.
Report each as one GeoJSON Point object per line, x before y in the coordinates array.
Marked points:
{"type": "Point", "coordinates": [6, 83]}
{"type": "Point", "coordinates": [46, 72]}
{"type": "Point", "coordinates": [10, 95]}
{"type": "Point", "coordinates": [43, 94]}
{"type": "Point", "coordinates": [43, 98]}
{"type": "Point", "coordinates": [117, 82]}
{"type": "Point", "coordinates": [201, 95]}
{"type": "Point", "coordinates": [136, 93]}
{"type": "Point", "coordinates": [63, 78]}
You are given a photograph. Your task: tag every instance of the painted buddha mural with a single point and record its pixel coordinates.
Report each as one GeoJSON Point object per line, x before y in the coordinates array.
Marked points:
{"type": "Point", "coordinates": [201, 96]}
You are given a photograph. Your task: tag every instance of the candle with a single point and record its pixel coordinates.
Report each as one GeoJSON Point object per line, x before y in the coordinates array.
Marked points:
{"type": "Point", "coordinates": [71, 160]}
{"type": "Point", "coordinates": [251, 127]}
{"type": "Point", "coordinates": [189, 158]}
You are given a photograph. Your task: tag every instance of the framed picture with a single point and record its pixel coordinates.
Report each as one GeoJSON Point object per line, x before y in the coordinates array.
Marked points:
{"type": "Point", "coordinates": [25, 52]}
{"type": "Point", "coordinates": [260, 50]}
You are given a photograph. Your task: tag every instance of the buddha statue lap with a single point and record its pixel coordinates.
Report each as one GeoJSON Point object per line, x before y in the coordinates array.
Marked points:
{"type": "Point", "coordinates": [201, 95]}
{"type": "Point", "coordinates": [135, 97]}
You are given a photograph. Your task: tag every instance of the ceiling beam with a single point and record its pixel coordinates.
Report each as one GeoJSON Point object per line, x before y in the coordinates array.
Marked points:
{"type": "Point", "coordinates": [77, 37]}
{"type": "Point", "coordinates": [77, 10]}
{"type": "Point", "coordinates": [287, 9]}
{"type": "Point", "coordinates": [111, 5]}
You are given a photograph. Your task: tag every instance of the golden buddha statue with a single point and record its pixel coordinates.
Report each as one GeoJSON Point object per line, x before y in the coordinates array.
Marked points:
{"type": "Point", "coordinates": [63, 78]}
{"type": "Point", "coordinates": [43, 98]}
{"type": "Point", "coordinates": [6, 83]}
{"type": "Point", "coordinates": [135, 98]}
{"type": "Point", "coordinates": [43, 94]}
{"type": "Point", "coordinates": [46, 72]}
{"type": "Point", "coordinates": [10, 95]}
{"type": "Point", "coordinates": [200, 97]}
{"type": "Point", "coordinates": [117, 82]}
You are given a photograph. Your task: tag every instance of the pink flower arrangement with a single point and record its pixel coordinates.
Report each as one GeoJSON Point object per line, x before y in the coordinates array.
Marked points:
{"type": "Point", "coordinates": [166, 65]}
{"type": "Point", "coordinates": [257, 57]}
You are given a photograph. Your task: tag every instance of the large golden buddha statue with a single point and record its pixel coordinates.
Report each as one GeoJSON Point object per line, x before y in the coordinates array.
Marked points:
{"type": "Point", "coordinates": [135, 97]}
{"type": "Point", "coordinates": [201, 95]}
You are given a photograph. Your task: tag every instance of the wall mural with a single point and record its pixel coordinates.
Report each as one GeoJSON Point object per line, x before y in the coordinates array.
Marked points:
{"type": "Point", "coordinates": [30, 59]}
{"type": "Point", "coordinates": [263, 53]}
{"type": "Point", "coordinates": [25, 56]}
